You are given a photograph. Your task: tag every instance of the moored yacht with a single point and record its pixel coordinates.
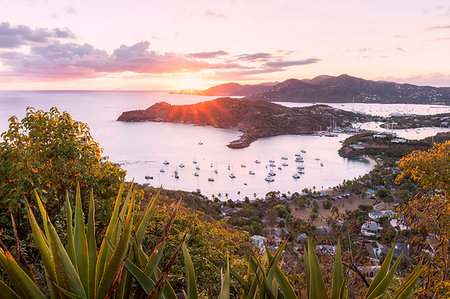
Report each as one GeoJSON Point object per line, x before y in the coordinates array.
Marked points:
{"type": "Point", "coordinates": [299, 159]}
{"type": "Point", "coordinates": [269, 179]}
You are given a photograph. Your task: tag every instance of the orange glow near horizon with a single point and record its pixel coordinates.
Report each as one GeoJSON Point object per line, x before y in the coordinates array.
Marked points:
{"type": "Point", "coordinates": [52, 45]}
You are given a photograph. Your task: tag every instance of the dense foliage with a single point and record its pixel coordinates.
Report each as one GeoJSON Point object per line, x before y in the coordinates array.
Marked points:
{"type": "Point", "coordinates": [50, 152]}
{"type": "Point", "coordinates": [428, 215]}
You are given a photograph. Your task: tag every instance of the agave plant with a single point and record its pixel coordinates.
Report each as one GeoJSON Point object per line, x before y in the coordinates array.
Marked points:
{"type": "Point", "coordinates": [78, 270]}
{"type": "Point", "coordinates": [316, 286]}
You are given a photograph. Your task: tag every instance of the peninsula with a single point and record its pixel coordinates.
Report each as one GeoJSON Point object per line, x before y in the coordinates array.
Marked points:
{"type": "Point", "coordinates": [255, 119]}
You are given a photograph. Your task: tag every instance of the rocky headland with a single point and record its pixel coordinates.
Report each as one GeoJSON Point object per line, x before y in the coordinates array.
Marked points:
{"type": "Point", "coordinates": [255, 119]}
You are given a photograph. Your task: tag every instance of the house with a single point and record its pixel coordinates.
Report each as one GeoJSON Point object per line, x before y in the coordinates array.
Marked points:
{"type": "Point", "coordinates": [279, 231]}
{"type": "Point", "coordinates": [395, 223]}
{"type": "Point", "coordinates": [387, 213]}
{"type": "Point", "coordinates": [227, 211]}
{"type": "Point", "coordinates": [258, 241]}
{"type": "Point", "coordinates": [376, 215]}
{"type": "Point", "coordinates": [301, 237]}
{"type": "Point", "coordinates": [370, 228]}
{"type": "Point", "coordinates": [326, 249]}
{"type": "Point", "coordinates": [399, 248]}
{"type": "Point", "coordinates": [379, 136]}
{"type": "Point", "coordinates": [357, 146]}
{"type": "Point", "coordinates": [398, 140]}
{"type": "Point", "coordinates": [371, 192]}
{"type": "Point", "coordinates": [280, 219]}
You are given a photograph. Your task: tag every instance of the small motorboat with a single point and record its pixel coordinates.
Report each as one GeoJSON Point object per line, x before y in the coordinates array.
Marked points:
{"type": "Point", "coordinates": [257, 162]}
{"type": "Point", "coordinates": [210, 180]}
{"type": "Point", "coordinates": [269, 179]}
{"type": "Point", "coordinates": [166, 162]}
{"type": "Point", "coordinates": [271, 173]}
{"type": "Point", "coordinates": [296, 176]}
{"type": "Point", "coordinates": [251, 173]}
{"type": "Point", "coordinates": [232, 176]}
{"type": "Point", "coordinates": [148, 177]}
{"type": "Point", "coordinates": [196, 174]}
{"type": "Point", "coordinates": [181, 165]}
{"type": "Point", "coordinates": [162, 170]}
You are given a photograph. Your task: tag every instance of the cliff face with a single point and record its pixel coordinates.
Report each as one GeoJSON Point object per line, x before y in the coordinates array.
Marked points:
{"type": "Point", "coordinates": [255, 119]}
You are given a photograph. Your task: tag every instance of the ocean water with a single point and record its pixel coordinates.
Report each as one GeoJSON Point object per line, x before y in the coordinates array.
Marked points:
{"type": "Point", "coordinates": [141, 148]}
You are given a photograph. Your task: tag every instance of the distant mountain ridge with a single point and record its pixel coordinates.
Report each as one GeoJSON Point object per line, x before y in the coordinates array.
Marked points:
{"type": "Point", "coordinates": [228, 89]}
{"type": "Point", "coordinates": [332, 89]}
{"type": "Point", "coordinates": [345, 88]}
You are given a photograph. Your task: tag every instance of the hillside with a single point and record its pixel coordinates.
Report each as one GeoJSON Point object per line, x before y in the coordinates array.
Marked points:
{"type": "Point", "coordinates": [255, 119]}
{"type": "Point", "coordinates": [345, 88]}
{"type": "Point", "coordinates": [228, 89]}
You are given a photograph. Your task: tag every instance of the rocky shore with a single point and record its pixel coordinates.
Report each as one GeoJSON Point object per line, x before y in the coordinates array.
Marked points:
{"type": "Point", "coordinates": [255, 119]}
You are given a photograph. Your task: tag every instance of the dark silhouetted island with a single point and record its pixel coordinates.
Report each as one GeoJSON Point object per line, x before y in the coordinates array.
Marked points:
{"type": "Point", "coordinates": [255, 119]}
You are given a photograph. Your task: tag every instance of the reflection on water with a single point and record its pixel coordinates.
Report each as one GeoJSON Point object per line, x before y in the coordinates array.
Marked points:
{"type": "Point", "coordinates": [142, 148]}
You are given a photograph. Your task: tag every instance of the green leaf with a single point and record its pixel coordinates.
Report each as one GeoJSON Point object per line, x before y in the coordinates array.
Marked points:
{"type": "Point", "coordinates": [407, 286]}
{"type": "Point", "coordinates": [382, 272]}
{"type": "Point", "coordinates": [384, 284]}
{"type": "Point", "coordinates": [143, 279]}
{"type": "Point", "coordinates": [285, 286]}
{"type": "Point", "coordinates": [7, 292]}
{"type": "Point", "coordinates": [225, 286]}
{"type": "Point", "coordinates": [81, 248]}
{"type": "Point", "coordinates": [119, 253]}
{"type": "Point", "coordinates": [103, 253]}
{"type": "Point", "coordinates": [70, 239]}
{"type": "Point", "coordinates": [190, 273]}
{"type": "Point", "coordinates": [92, 246]}
{"type": "Point", "coordinates": [67, 276]}
{"type": "Point", "coordinates": [338, 274]}
{"type": "Point", "coordinates": [145, 217]}
{"type": "Point", "coordinates": [42, 245]}
{"type": "Point", "coordinates": [22, 283]}
{"type": "Point", "coordinates": [317, 288]}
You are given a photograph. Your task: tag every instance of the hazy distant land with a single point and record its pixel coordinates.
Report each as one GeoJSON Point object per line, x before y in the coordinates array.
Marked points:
{"type": "Point", "coordinates": [329, 89]}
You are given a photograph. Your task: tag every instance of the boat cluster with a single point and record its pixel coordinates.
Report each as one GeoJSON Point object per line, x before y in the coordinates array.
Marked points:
{"type": "Point", "coordinates": [271, 166]}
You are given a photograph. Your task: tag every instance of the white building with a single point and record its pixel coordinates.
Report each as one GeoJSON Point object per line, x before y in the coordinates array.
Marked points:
{"type": "Point", "coordinates": [370, 228]}
{"type": "Point", "coordinates": [258, 241]}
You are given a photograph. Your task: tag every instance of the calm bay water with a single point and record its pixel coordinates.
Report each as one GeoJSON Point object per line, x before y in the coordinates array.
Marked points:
{"type": "Point", "coordinates": [141, 148]}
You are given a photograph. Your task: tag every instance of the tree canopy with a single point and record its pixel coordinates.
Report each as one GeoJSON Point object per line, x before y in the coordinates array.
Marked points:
{"type": "Point", "coordinates": [49, 152]}
{"type": "Point", "coordinates": [428, 215]}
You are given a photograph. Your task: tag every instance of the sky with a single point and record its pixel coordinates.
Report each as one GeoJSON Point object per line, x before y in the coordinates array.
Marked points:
{"type": "Point", "coordinates": [157, 44]}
